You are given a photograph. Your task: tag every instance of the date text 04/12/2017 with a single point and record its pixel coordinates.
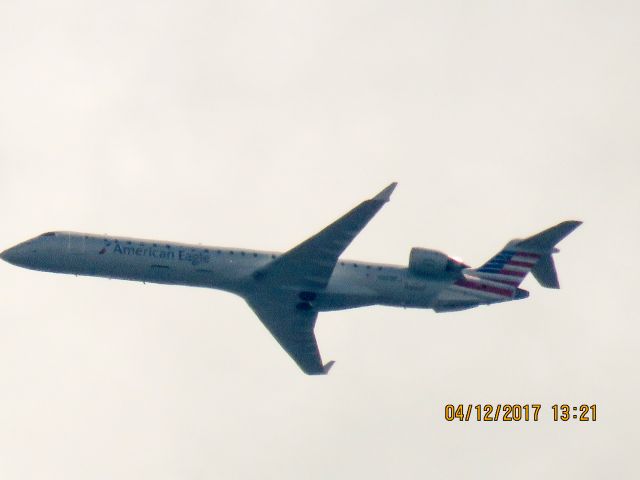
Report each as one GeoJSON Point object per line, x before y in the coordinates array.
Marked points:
{"type": "Point", "coordinates": [518, 412]}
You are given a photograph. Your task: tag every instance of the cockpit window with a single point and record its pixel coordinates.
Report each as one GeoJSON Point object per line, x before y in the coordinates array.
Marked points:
{"type": "Point", "coordinates": [48, 234]}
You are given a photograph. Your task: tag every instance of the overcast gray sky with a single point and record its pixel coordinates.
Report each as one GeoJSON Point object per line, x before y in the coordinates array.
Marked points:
{"type": "Point", "coordinates": [254, 124]}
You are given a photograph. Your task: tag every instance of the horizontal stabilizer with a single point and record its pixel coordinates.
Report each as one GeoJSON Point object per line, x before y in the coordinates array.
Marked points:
{"type": "Point", "coordinates": [544, 242]}
{"type": "Point", "coordinates": [547, 239]}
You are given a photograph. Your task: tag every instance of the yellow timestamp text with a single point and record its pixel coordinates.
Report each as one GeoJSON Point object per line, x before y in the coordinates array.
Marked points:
{"type": "Point", "coordinates": [516, 412]}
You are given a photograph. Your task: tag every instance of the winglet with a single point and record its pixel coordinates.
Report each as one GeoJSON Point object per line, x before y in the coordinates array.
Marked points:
{"type": "Point", "coordinates": [385, 194]}
{"type": "Point", "coordinates": [328, 366]}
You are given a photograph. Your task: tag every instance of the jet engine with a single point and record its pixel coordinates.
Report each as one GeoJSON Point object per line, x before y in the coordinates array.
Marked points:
{"type": "Point", "coordinates": [432, 263]}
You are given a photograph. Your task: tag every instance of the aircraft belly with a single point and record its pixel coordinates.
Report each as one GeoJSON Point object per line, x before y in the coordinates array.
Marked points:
{"type": "Point", "coordinates": [351, 295]}
{"type": "Point", "coordinates": [343, 293]}
{"type": "Point", "coordinates": [210, 276]}
{"type": "Point", "coordinates": [349, 290]}
{"type": "Point", "coordinates": [328, 301]}
{"type": "Point", "coordinates": [419, 292]}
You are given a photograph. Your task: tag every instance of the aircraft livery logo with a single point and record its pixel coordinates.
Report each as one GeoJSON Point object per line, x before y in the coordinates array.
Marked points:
{"type": "Point", "coordinates": [193, 257]}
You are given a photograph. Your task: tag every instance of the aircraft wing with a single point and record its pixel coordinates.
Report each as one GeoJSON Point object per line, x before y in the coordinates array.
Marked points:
{"type": "Point", "coordinates": [310, 264]}
{"type": "Point", "coordinates": [297, 275]}
{"type": "Point", "coordinates": [293, 329]}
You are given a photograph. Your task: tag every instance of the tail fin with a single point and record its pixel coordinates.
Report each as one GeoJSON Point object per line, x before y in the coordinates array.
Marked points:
{"type": "Point", "coordinates": [532, 254]}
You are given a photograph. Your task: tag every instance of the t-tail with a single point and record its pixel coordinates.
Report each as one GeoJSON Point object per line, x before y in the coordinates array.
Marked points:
{"type": "Point", "coordinates": [499, 279]}
{"type": "Point", "coordinates": [519, 257]}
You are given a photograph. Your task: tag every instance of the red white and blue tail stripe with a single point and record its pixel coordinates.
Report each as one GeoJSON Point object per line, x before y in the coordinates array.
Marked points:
{"type": "Point", "coordinates": [499, 278]}
{"type": "Point", "coordinates": [495, 281]}
{"type": "Point", "coordinates": [508, 267]}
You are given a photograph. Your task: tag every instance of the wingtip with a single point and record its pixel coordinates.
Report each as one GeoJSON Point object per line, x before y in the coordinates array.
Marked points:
{"type": "Point", "coordinates": [573, 223]}
{"type": "Point", "coordinates": [385, 195]}
{"type": "Point", "coordinates": [328, 366]}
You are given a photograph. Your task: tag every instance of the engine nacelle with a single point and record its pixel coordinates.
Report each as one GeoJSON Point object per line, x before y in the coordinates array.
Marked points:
{"type": "Point", "coordinates": [432, 263]}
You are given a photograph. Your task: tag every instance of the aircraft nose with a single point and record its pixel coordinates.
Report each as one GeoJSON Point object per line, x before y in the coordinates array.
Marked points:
{"type": "Point", "coordinates": [6, 255]}
{"type": "Point", "coordinates": [11, 255]}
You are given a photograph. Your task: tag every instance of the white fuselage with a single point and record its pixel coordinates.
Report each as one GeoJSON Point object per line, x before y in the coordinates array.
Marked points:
{"type": "Point", "coordinates": [352, 284]}
{"type": "Point", "coordinates": [287, 290]}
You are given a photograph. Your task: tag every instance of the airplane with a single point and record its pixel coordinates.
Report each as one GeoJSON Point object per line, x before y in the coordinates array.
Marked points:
{"type": "Point", "coordinates": [288, 290]}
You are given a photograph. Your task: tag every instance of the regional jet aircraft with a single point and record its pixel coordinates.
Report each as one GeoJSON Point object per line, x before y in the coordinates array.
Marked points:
{"type": "Point", "coordinates": [287, 290]}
